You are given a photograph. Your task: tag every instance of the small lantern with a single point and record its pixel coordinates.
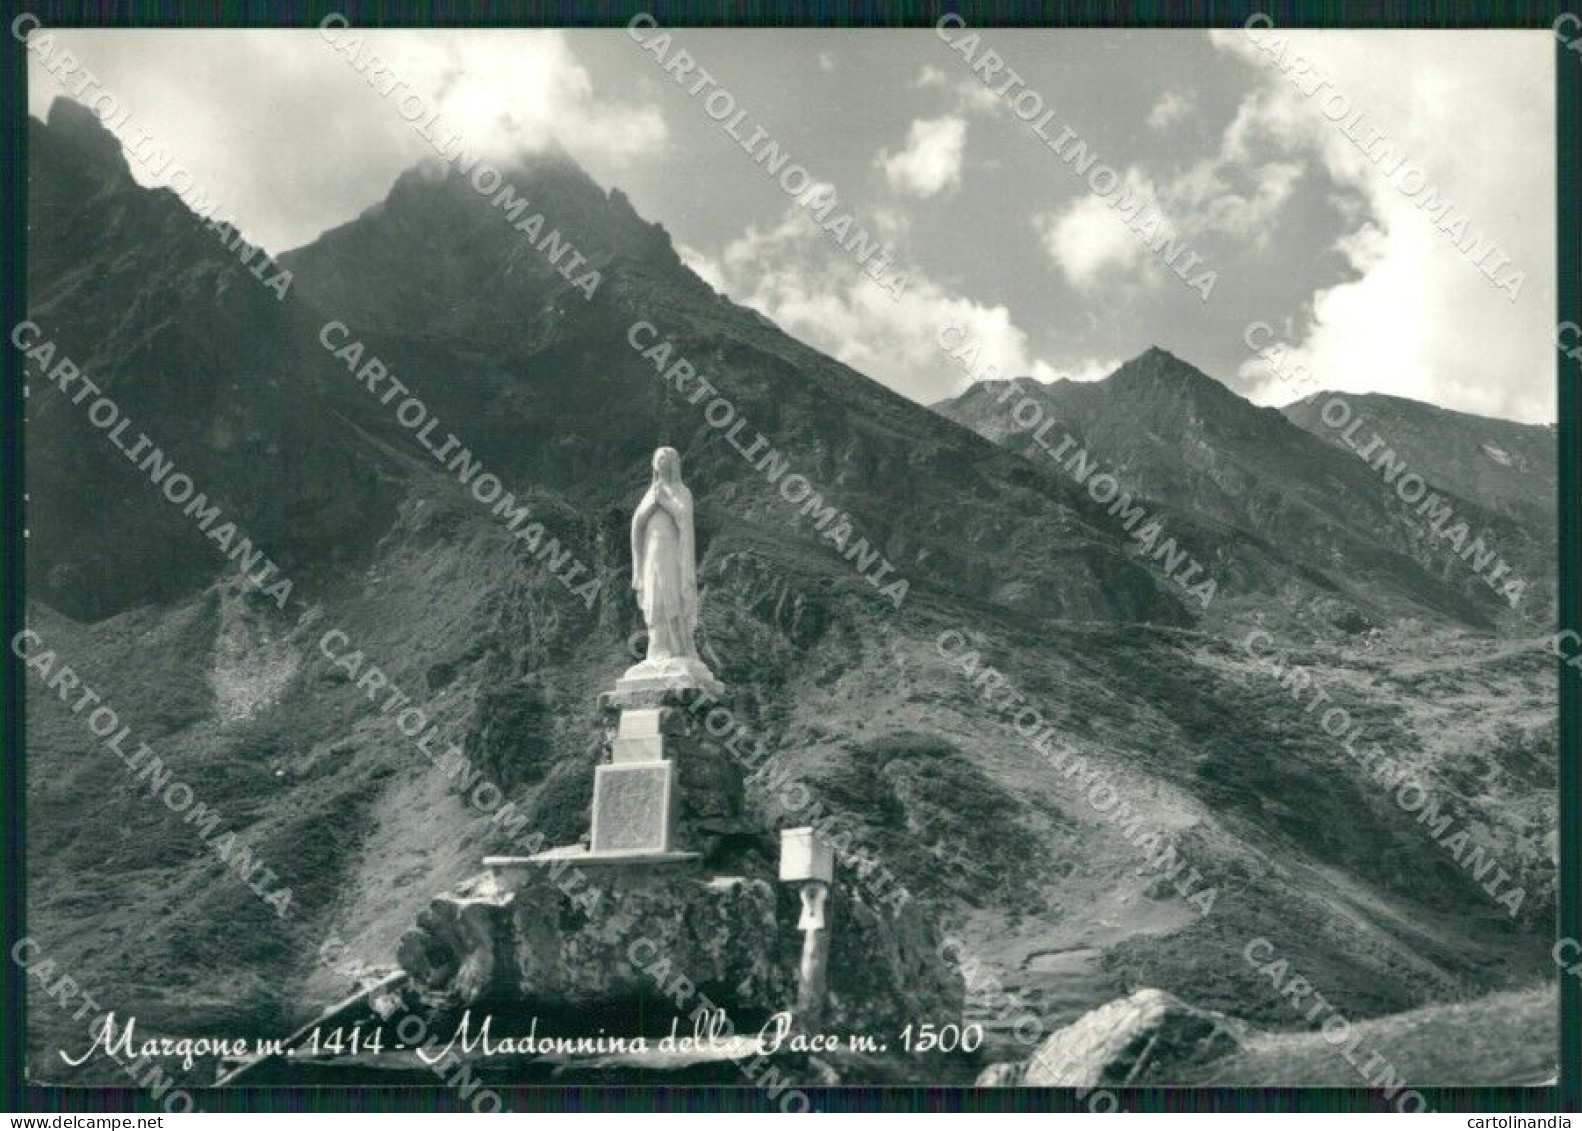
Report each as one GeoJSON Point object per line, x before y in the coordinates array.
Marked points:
{"type": "Point", "coordinates": [813, 896]}
{"type": "Point", "coordinates": [804, 858]}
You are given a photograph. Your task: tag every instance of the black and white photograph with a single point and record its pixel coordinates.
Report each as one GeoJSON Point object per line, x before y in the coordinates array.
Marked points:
{"type": "Point", "coordinates": [791, 564]}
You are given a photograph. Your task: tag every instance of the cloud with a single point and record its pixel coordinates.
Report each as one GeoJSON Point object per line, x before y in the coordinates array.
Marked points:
{"type": "Point", "coordinates": [1235, 195]}
{"type": "Point", "coordinates": [891, 223]}
{"type": "Point", "coordinates": [705, 267]}
{"type": "Point", "coordinates": [1171, 108]}
{"type": "Point", "coordinates": [1087, 241]}
{"type": "Point", "coordinates": [793, 275]}
{"type": "Point", "coordinates": [968, 95]}
{"type": "Point", "coordinates": [1219, 198]}
{"type": "Point", "coordinates": [931, 161]}
{"type": "Point", "coordinates": [231, 106]}
{"type": "Point", "coordinates": [1090, 369]}
{"type": "Point", "coordinates": [975, 98]}
{"type": "Point", "coordinates": [1417, 318]}
{"type": "Point", "coordinates": [516, 91]}
{"type": "Point", "coordinates": [1223, 196]}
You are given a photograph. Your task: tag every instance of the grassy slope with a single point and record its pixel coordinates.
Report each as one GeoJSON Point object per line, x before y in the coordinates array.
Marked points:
{"type": "Point", "coordinates": [859, 703]}
{"type": "Point", "coordinates": [1262, 802]}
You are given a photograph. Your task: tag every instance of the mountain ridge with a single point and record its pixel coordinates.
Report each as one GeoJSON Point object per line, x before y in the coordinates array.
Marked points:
{"type": "Point", "coordinates": [1506, 466]}
{"type": "Point", "coordinates": [1154, 349]}
{"type": "Point", "coordinates": [1192, 443]}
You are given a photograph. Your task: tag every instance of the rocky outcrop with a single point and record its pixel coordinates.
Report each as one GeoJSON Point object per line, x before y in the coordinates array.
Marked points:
{"type": "Point", "coordinates": [664, 936]}
{"type": "Point", "coordinates": [460, 943]}
{"type": "Point", "coordinates": [885, 969]}
{"type": "Point", "coordinates": [655, 941]}
{"type": "Point", "coordinates": [1150, 1037]}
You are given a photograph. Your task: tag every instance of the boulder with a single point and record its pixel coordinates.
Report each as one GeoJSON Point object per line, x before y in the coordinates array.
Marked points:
{"type": "Point", "coordinates": [1149, 1037]}
{"type": "Point", "coordinates": [459, 943]}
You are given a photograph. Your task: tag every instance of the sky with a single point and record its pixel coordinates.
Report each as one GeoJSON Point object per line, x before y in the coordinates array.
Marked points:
{"type": "Point", "coordinates": [1309, 173]}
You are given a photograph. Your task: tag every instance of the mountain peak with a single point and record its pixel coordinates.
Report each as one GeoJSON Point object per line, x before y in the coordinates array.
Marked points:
{"type": "Point", "coordinates": [73, 123]}
{"type": "Point", "coordinates": [523, 164]}
{"type": "Point", "coordinates": [547, 182]}
{"type": "Point", "coordinates": [494, 239]}
{"type": "Point", "coordinates": [1157, 367]}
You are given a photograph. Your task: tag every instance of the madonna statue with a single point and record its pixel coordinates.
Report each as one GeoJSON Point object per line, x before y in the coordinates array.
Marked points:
{"type": "Point", "coordinates": [664, 573]}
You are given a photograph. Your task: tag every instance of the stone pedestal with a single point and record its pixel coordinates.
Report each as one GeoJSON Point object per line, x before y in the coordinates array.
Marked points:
{"type": "Point", "coordinates": [638, 737]}
{"type": "Point", "coordinates": [634, 808]}
{"type": "Point", "coordinates": [666, 726]}
{"type": "Point", "coordinates": [676, 673]}
{"type": "Point", "coordinates": [674, 899]}
{"type": "Point", "coordinates": [664, 791]}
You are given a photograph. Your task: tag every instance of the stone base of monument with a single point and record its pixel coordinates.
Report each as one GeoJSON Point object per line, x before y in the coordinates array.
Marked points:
{"type": "Point", "coordinates": [675, 902]}
{"type": "Point", "coordinates": [665, 932]}
{"type": "Point", "coordinates": [522, 934]}
{"type": "Point", "coordinates": [675, 673]}
{"type": "Point", "coordinates": [506, 868]}
{"type": "Point", "coordinates": [634, 807]}
{"type": "Point", "coordinates": [665, 786]}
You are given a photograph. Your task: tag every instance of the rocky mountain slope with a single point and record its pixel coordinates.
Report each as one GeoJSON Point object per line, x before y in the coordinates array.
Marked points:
{"type": "Point", "coordinates": [1336, 540]}
{"type": "Point", "coordinates": [200, 355]}
{"type": "Point", "coordinates": [1506, 467]}
{"type": "Point", "coordinates": [853, 695]}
